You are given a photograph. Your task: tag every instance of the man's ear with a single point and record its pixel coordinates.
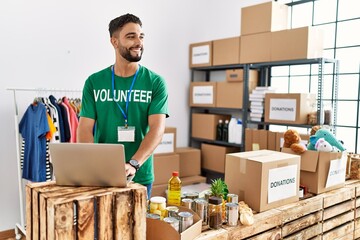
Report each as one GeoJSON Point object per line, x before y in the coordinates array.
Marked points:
{"type": "Point", "coordinates": [114, 41]}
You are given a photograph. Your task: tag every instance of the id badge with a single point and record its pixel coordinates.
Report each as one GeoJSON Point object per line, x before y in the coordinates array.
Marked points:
{"type": "Point", "coordinates": [126, 134]}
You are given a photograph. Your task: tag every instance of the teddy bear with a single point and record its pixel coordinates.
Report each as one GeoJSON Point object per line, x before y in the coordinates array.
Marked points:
{"type": "Point", "coordinates": [327, 136]}
{"type": "Point", "coordinates": [292, 140]}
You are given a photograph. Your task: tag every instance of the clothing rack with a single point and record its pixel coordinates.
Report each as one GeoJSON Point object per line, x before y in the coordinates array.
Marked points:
{"type": "Point", "coordinates": [20, 228]}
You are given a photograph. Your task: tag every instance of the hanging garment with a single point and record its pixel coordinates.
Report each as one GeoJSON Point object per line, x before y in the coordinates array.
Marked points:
{"type": "Point", "coordinates": [33, 128]}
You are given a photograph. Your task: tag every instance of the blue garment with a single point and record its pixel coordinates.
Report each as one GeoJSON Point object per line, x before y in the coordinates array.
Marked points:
{"type": "Point", "coordinates": [33, 128]}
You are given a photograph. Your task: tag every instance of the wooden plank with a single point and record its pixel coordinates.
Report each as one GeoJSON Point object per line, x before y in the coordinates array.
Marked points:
{"type": "Point", "coordinates": [338, 195]}
{"type": "Point", "coordinates": [339, 208]}
{"type": "Point", "coordinates": [337, 221]}
{"type": "Point", "coordinates": [85, 219]}
{"type": "Point", "coordinates": [105, 215]}
{"type": "Point", "coordinates": [357, 223]}
{"type": "Point", "coordinates": [341, 231]}
{"type": "Point", "coordinates": [123, 215]}
{"type": "Point", "coordinates": [220, 234]}
{"type": "Point", "coordinates": [307, 233]}
{"type": "Point", "coordinates": [357, 213]}
{"type": "Point", "coordinates": [262, 222]}
{"type": "Point", "coordinates": [60, 193]}
{"type": "Point", "coordinates": [64, 221]}
{"type": "Point", "coordinates": [28, 209]}
{"type": "Point", "coordinates": [301, 223]}
{"type": "Point", "coordinates": [139, 216]}
{"type": "Point", "coordinates": [349, 236]}
{"type": "Point", "coordinates": [274, 234]}
{"type": "Point", "coordinates": [357, 233]}
{"type": "Point", "coordinates": [304, 207]}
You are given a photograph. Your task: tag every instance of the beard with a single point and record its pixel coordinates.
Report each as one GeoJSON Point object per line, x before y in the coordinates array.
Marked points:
{"type": "Point", "coordinates": [125, 53]}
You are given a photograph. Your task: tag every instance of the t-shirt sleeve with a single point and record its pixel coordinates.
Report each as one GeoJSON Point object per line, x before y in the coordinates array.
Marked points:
{"type": "Point", "coordinates": [159, 102]}
{"type": "Point", "coordinates": [88, 101]}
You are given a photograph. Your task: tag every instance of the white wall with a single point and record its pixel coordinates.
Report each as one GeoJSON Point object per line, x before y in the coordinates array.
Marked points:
{"type": "Point", "coordinates": [57, 44]}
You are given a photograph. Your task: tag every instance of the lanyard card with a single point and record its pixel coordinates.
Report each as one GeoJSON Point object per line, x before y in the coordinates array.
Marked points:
{"type": "Point", "coordinates": [126, 134]}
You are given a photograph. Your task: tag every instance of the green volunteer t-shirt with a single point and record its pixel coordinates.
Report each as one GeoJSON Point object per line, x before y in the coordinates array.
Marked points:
{"type": "Point", "coordinates": [148, 96]}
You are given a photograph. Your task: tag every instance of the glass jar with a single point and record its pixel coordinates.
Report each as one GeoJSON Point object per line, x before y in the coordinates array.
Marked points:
{"type": "Point", "coordinates": [215, 212]}
{"type": "Point", "coordinates": [158, 206]}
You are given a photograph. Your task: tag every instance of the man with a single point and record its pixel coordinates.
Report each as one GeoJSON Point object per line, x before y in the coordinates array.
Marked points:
{"type": "Point", "coordinates": [126, 103]}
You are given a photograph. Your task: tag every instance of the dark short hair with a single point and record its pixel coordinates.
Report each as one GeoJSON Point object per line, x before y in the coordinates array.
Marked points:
{"type": "Point", "coordinates": [119, 22]}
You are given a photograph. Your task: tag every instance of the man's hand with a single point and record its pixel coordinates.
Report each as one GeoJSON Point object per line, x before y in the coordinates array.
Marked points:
{"type": "Point", "coordinates": [130, 170]}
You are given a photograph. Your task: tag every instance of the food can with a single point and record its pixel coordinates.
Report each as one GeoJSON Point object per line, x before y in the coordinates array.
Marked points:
{"type": "Point", "coordinates": [201, 208]}
{"type": "Point", "coordinates": [186, 220]}
{"type": "Point", "coordinates": [153, 216]}
{"type": "Point", "coordinates": [232, 214]}
{"type": "Point", "coordinates": [172, 211]}
{"type": "Point", "coordinates": [187, 202]}
{"type": "Point", "coordinates": [174, 222]}
{"type": "Point", "coordinates": [232, 198]}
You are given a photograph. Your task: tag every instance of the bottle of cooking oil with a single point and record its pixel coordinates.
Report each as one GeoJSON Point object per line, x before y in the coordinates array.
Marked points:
{"type": "Point", "coordinates": [174, 190]}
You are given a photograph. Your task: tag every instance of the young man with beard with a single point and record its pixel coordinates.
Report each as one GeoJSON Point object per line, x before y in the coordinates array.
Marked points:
{"type": "Point", "coordinates": [126, 103]}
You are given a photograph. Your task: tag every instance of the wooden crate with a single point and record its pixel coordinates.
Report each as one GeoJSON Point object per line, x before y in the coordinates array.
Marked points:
{"type": "Point", "coordinates": [59, 212]}
{"type": "Point", "coordinates": [302, 220]}
{"type": "Point", "coordinates": [339, 213]}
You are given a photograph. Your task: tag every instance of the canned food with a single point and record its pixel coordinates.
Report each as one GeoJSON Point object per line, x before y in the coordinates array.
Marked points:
{"type": "Point", "coordinates": [158, 206]}
{"type": "Point", "coordinates": [174, 222]}
{"type": "Point", "coordinates": [232, 214]}
{"type": "Point", "coordinates": [186, 220]}
{"type": "Point", "coordinates": [172, 211]}
{"type": "Point", "coordinates": [201, 208]}
{"type": "Point", "coordinates": [232, 198]}
{"type": "Point", "coordinates": [153, 216]}
{"type": "Point", "coordinates": [187, 202]}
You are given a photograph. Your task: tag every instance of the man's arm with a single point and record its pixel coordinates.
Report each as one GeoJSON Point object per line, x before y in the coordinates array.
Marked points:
{"type": "Point", "coordinates": [150, 141]}
{"type": "Point", "coordinates": [84, 133]}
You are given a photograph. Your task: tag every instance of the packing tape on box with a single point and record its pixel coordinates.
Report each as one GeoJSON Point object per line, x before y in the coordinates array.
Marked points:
{"type": "Point", "coordinates": [243, 166]}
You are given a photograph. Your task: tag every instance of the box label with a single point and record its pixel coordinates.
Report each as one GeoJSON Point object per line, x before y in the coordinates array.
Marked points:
{"type": "Point", "coordinates": [203, 94]}
{"type": "Point", "coordinates": [282, 183]}
{"type": "Point", "coordinates": [337, 172]}
{"type": "Point", "coordinates": [167, 144]}
{"type": "Point", "coordinates": [200, 54]}
{"type": "Point", "coordinates": [282, 109]}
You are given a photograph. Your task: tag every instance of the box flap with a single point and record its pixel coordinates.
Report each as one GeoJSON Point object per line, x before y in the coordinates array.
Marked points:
{"type": "Point", "coordinates": [309, 159]}
{"type": "Point", "coordinates": [160, 230]}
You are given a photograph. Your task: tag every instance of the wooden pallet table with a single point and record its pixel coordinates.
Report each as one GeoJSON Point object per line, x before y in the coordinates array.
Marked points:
{"type": "Point", "coordinates": [56, 212]}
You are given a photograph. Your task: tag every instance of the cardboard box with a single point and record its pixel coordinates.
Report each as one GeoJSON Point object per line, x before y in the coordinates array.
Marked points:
{"type": "Point", "coordinates": [226, 51]}
{"type": "Point", "coordinates": [271, 141]}
{"type": "Point", "coordinates": [289, 108]}
{"type": "Point", "coordinates": [297, 43]}
{"type": "Point", "coordinates": [202, 94]}
{"type": "Point", "coordinates": [213, 156]}
{"type": "Point", "coordinates": [230, 94]}
{"type": "Point", "coordinates": [168, 141]}
{"type": "Point", "coordinates": [204, 125]}
{"type": "Point", "coordinates": [255, 48]}
{"type": "Point", "coordinates": [200, 54]}
{"type": "Point", "coordinates": [237, 75]}
{"type": "Point", "coordinates": [279, 143]}
{"type": "Point", "coordinates": [264, 17]}
{"type": "Point", "coordinates": [160, 230]}
{"type": "Point", "coordinates": [190, 161]}
{"type": "Point", "coordinates": [321, 171]}
{"type": "Point", "coordinates": [256, 139]}
{"type": "Point", "coordinates": [164, 165]}
{"type": "Point", "coordinates": [264, 179]}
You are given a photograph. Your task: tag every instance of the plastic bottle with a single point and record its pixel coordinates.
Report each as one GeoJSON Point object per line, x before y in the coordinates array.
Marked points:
{"type": "Point", "coordinates": [225, 135]}
{"type": "Point", "coordinates": [238, 132]}
{"type": "Point", "coordinates": [174, 190]}
{"type": "Point", "coordinates": [232, 125]}
{"type": "Point", "coordinates": [219, 130]}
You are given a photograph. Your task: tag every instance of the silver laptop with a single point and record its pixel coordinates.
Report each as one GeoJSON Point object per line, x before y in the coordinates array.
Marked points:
{"type": "Point", "coordinates": [89, 164]}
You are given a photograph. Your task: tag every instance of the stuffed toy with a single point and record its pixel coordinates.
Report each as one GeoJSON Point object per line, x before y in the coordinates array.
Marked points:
{"type": "Point", "coordinates": [324, 146]}
{"type": "Point", "coordinates": [314, 129]}
{"type": "Point", "coordinates": [292, 140]}
{"type": "Point", "coordinates": [329, 137]}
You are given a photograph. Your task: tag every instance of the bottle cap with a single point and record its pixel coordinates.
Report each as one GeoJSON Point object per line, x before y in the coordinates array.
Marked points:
{"type": "Point", "coordinates": [175, 173]}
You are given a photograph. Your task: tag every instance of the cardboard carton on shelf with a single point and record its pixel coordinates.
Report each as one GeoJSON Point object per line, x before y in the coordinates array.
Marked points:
{"type": "Point", "coordinates": [265, 17]}
{"type": "Point", "coordinates": [190, 161]}
{"type": "Point", "coordinates": [202, 94]}
{"type": "Point", "coordinates": [204, 124]}
{"type": "Point", "coordinates": [168, 142]}
{"type": "Point", "coordinates": [200, 54]}
{"type": "Point", "coordinates": [264, 179]}
{"type": "Point", "coordinates": [226, 51]}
